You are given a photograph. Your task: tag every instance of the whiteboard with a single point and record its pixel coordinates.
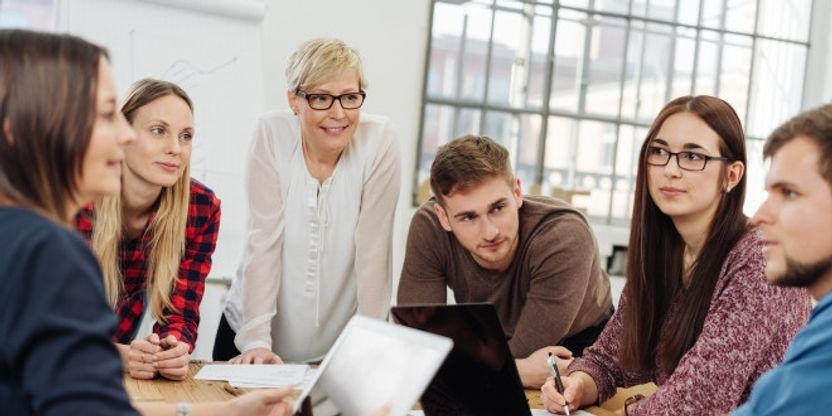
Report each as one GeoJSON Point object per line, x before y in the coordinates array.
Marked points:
{"type": "Point", "coordinates": [213, 49]}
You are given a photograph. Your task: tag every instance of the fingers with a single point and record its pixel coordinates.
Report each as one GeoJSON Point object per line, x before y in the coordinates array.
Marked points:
{"type": "Point", "coordinates": [180, 349]}
{"type": "Point", "coordinates": [562, 352]}
{"type": "Point", "coordinates": [145, 346]}
{"type": "Point", "coordinates": [383, 411]}
{"type": "Point", "coordinates": [168, 342]}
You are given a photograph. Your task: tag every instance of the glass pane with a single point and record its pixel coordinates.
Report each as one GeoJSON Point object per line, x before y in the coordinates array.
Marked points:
{"type": "Point", "coordinates": [635, 47]}
{"type": "Point", "coordinates": [595, 155]}
{"type": "Point", "coordinates": [740, 15]}
{"type": "Point", "coordinates": [712, 13]}
{"type": "Point", "coordinates": [537, 67]}
{"type": "Point", "coordinates": [630, 139]}
{"type": "Point", "coordinates": [662, 9]}
{"type": "Point", "coordinates": [689, 12]}
{"type": "Point", "coordinates": [655, 70]}
{"type": "Point", "coordinates": [707, 63]}
{"type": "Point", "coordinates": [785, 19]}
{"type": "Point", "coordinates": [436, 131]}
{"type": "Point", "coordinates": [502, 127]}
{"type": "Point", "coordinates": [467, 122]}
{"type": "Point", "coordinates": [683, 62]}
{"type": "Point", "coordinates": [613, 6]}
{"type": "Point", "coordinates": [735, 72]}
{"type": "Point", "coordinates": [560, 148]}
{"type": "Point", "coordinates": [569, 51]}
{"type": "Point", "coordinates": [509, 56]}
{"type": "Point", "coordinates": [528, 143]}
{"type": "Point", "coordinates": [777, 85]}
{"type": "Point", "coordinates": [575, 3]}
{"type": "Point", "coordinates": [606, 56]}
{"type": "Point", "coordinates": [511, 4]}
{"type": "Point", "coordinates": [446, 41]}
{"type": "Point", "coordinates": [755, 175]}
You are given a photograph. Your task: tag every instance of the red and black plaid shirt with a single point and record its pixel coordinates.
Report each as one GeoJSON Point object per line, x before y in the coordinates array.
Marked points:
{"type": "Point", "coordinates": [200, 241]}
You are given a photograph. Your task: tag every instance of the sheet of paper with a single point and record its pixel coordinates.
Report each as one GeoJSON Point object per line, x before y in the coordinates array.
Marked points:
{"type": "Point", "coordinates": [256, 375]}
{"type": "Point", "coordinates": [303, 384]}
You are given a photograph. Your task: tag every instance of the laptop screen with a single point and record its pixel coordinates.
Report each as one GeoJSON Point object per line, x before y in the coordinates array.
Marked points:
{"type": "Point", "coordinates": [479, 376]}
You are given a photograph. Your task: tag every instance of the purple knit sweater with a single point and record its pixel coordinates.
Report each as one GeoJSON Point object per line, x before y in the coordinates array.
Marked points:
{"type": "Point", "coordinates": [748, 327]}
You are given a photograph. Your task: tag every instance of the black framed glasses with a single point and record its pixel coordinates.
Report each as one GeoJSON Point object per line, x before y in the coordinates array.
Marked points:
{"type": "Point", "coordinates": [692, 161]}
{"type": "Point", "coordinates": [349, 101]}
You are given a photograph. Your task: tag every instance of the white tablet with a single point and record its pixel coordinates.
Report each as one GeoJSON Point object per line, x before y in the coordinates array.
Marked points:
{"type": "Point", "coordinates": [374, 363]}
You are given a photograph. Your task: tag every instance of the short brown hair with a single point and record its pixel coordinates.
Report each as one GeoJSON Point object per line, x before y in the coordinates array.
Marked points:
{"type": "Point", "coordinates": [816, 124]}
{"type": "Point", "coordinates": [48, 89]}
{"type": "Point", "coordinates": [465, 162]}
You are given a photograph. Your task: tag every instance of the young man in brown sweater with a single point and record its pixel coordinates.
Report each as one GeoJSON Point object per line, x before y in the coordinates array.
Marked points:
{"type": "Point", "coordinates": [535, 258]}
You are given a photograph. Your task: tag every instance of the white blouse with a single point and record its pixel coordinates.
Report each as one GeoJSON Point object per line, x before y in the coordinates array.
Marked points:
{"type": "Point", "coordinates": [316, 253]}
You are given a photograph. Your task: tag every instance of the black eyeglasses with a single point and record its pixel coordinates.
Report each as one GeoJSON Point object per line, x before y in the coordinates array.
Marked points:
{"type": "Point", "coordinates": [349, 101]}
{"type": "Point", "coordinates": [692, 161]}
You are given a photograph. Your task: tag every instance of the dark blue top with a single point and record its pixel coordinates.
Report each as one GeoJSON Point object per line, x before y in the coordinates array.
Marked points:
{"type": "Point", "coordinates": [802, 384]}
{"type": "Point", "coordinates": [56, 357]}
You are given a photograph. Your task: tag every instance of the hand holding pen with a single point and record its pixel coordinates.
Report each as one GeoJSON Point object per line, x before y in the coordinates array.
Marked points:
{"type": "Point", "coordinates": [553, 368]}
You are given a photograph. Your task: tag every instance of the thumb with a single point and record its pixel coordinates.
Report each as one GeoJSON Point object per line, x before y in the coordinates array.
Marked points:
{"type": "Point", "coordinates": [153, 339]}
{"type": "Point", "coordinates": [272, 396]}
{"type": "Point", "coordinates": [570, 390]}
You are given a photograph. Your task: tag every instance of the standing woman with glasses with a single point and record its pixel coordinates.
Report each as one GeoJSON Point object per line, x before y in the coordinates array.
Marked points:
{"type": "Point", "coordinates": [323, 181]}
{"type": "Point", "coordinates": [697, 316]}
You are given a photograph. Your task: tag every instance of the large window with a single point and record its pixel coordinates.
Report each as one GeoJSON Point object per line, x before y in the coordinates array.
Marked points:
{"type": "Point", "coordinates": [570, 87]}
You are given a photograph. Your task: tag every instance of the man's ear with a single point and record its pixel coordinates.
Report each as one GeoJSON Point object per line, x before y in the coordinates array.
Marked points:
{"type": "Point", "coordinates": [443, 216]}
{"type": "Point", "coordinates": [517, 192]}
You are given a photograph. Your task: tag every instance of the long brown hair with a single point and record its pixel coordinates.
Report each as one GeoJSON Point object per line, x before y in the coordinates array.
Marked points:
{"type": "Point", "coordinates": [166, 230]}
{"type": "Point", "coordinates": [48, 86]}
{"type": "Point", "coordinates": [655, 255]}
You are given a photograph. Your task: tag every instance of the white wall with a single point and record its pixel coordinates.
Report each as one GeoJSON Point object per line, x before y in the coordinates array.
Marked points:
{"type": "Point", "coordinates": [392, 38]}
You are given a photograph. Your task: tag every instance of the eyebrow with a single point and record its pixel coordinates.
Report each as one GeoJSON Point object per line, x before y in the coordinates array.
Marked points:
{"type": "Point", "coordinates": [490, 207]}
{"type": "Point", "coordinates": [687, 146]}
{"type": "Point", "coordinates": [782, 184]}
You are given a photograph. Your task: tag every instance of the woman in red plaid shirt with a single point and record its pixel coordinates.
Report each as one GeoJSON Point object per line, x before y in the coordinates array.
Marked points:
{"type": "Point", "coordinates": [155, 240]}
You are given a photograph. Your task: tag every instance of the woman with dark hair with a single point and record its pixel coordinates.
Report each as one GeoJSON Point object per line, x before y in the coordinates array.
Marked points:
{"type": "Point", "coordinates": [61, 146]}
{"type": "Point", "coordinates": [697, 316]}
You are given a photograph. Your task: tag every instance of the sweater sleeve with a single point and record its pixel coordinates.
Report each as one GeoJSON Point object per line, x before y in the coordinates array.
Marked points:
{"type": "Point", "coordinates": [744, 323]}
{"type": "Point", "coordinates": [600, 360]}
{"type": "Point", "coordinates": [561, 257]}
{"type": "Point", "coordinates": [423, 278]}
{"type": "Point", "coordinates": [374, 230]}
{"type": "Point", "coordinates": [60, 343]}
{"type": "Point", "coordinates": [260, 271]}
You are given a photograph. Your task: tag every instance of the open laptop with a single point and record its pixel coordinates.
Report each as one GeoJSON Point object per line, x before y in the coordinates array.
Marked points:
{"type": "Point", "coordinates": [479, 376]}
{"type": "Point", "coordinates": [373, 363]}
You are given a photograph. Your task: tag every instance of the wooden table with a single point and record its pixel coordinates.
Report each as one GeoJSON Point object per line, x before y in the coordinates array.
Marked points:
{"type": "Point", "coordinates": [195, 391]}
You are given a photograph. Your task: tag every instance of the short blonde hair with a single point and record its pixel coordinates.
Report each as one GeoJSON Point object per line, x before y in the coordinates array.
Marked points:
{"type": "Point", "coordinates": [318, 60]}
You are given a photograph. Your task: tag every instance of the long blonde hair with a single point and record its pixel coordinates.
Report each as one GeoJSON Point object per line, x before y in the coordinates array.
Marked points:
{"type": "Point", "coordinates": [167, 229]}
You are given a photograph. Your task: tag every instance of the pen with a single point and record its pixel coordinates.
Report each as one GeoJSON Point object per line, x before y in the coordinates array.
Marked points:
{"type": "Point", "coordinates": [553, 368]}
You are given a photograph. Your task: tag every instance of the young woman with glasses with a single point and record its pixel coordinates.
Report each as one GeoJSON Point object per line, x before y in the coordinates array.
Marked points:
{"type": "Point", "coordinates": [323, 180]}
{"type": "Point", "coordinates": [697, 316]}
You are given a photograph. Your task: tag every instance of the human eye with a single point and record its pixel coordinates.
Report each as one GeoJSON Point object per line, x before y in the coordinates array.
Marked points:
{"type": "Point", "coordinates": [656, 151]}
{"type": "Point", "coordinates": [352, 98]}
{"type": "Point", "coordinates": [157, 130]}
{"type": "Point", "coordinates": [497, 208]}
{"type": "Point", "coordinates": [186, 136]}
{"type": "Point", "coordinates": [318, 98]}
{"type": "Point", "coordinates": [692, 156]}
{"type": "Point", "coordinates": [788, 193]}
{"type": "Point", "coordinates": [467, 218]}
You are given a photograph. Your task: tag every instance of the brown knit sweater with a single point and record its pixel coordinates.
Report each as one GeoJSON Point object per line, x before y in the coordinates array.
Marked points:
{"type": "Point", "coordinates": [554, 288]}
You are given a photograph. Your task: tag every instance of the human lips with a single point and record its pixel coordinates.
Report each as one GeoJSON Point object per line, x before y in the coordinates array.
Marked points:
{"type": "Point", "coordinates": [492, 246]}
{"type": "Point", "coordinates": [334, 130]}
{"type": "Point", "coordinates": [168, 166]}
{"type": "Point", "coordinates": [670, 191]}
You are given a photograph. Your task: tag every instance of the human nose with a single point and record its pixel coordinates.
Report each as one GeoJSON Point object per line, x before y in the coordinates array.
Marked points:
{"type": "Point", "coordinates": [763, 214]}
{"type": "Point", "coordinates": [336, 111]}
{"type": "Point", "coordinates": [126, 134]}
{"type": "Point", "coordinates": [489, 229]}
{"type": "Point", "coordinates": [672, 169]}
{"type": "Point", "coordinates": [175, 146]}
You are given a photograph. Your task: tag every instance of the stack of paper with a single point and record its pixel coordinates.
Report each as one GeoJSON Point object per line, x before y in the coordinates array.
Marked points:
{"type": "Point", "coordinates": [257, 375]}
